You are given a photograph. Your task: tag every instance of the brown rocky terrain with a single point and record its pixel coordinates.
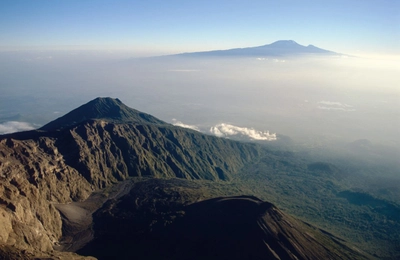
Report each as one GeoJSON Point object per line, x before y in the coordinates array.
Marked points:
{"type": "Point", "coordinates": [45, 168]}
{"type": "Point", "coordinates": [53, 179]}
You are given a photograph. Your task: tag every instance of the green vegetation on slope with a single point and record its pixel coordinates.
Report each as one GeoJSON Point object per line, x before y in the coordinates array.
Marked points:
{"type": "Point", "coordinates": [325, 195]}
{"type": "Point", "coordinates": [105, 142]}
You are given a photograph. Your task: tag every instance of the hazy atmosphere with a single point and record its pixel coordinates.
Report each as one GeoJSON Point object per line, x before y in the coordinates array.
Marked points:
{"type": "Point", "coordinates": [223, 129]}
{"type": "Point", "coordinates": [56, 56]}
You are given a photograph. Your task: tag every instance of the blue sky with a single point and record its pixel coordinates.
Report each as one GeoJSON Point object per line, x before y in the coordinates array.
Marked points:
{"type": "Point", "coordinates": [349, 26]}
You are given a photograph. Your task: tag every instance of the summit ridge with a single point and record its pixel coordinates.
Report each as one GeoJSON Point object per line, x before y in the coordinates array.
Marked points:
{"type": "Point", "coordinates": [275, 49]}
{"type": "Point", "coordinates": [101, 108]}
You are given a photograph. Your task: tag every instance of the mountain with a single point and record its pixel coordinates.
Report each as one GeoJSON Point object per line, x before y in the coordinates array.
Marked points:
{"type": "Point", "coordinates": [276, 49]}
{"type": "Point", "coordinates": [179, 218]}
{"type": "Point", "coordinates": [91, 148]}
{"type": "Point", "coordinates": [102, 108]}
{"type": "Point", "coordinates": [106, 172]}
{"type": "Point", "coordinates": [107, 142]}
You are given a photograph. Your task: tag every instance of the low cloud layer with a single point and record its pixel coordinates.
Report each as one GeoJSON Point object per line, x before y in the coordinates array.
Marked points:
{"type": "Point", "coordinates": [274, 60]}
{"type": "Point", "coordinates": [179, 123]}
{"type": "Point", "coordinates": [14, 126]}
{"type": "Point", "coordinates": [183, 70]}
{"type": "Point", "coordinates": [331, 105]}
{"type": "Point", "coordinates": [226, 130]}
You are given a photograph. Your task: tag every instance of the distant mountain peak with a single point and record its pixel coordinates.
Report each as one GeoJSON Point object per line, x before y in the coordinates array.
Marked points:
{"type": "Point", "coordinates": [284, 42]}
{"type": "Point", "coordinates": [105, 108]}
{"type": "Point", "coordinates": [278, 48]}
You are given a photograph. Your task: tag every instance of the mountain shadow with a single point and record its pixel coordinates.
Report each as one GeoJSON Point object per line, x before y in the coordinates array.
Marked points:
{"type": "Point", "coordinates": [75, 173]}
{"type": "Point", "coordinates": [168, 222]}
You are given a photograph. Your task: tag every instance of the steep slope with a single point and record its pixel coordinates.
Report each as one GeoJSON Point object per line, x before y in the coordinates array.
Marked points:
{"type": "Point", "coordinates": [33, 177]}
{"type": "Point", "coordinates": [114, 151]}
{"type": "Point", "coordinates": [175, 219]}
{"type": "Point", "coordinates": [147, 178]}
{"type": "Point", "coordinates": [102, 108]}
{"type": "Point", "coordinates": [94, 147]}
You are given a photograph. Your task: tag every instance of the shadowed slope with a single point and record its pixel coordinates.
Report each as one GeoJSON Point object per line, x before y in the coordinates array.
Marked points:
{"type": "Point", "coordinates": [94, 147]}
{"type": "Point", "coordinates": [169, 219]}
{"type": "Point", "coordinates": [102, 108]}
{"type": "Point", "coordinates": [44, 173]}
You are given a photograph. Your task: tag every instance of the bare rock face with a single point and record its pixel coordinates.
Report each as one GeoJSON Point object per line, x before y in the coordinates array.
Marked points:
{"type": "Point", "coordinates": [12, 253]}
{"type": "Point", "coordinates": [91, 148]}
{"type": "Point", "coordinates": [33, 177]}
{"type": "Point", "coordinates": [53, 179]}
{"type": "Point", "coordinates": [105, 153]}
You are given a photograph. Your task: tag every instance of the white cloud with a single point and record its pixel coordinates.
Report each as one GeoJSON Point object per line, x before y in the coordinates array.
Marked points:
{"type": "Point", "coordinates": [333, 105]}
{"type": "Point", "coordinates": [14, 126]}
{"type": "Point", "coordinates": [38, 58]}
{"type": "Point", "coordinates": [225, 130]}
{"type": "Point", "coordinates": [335, 108]}
{"type": "Point", "coordinates": [273, 60]}
{"type": "Point", "coordinates": [183, 70]}
{"type": "Point", "coordinates": [179, 123]}
{"type": "Point", "coordinates": [44, 58]}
